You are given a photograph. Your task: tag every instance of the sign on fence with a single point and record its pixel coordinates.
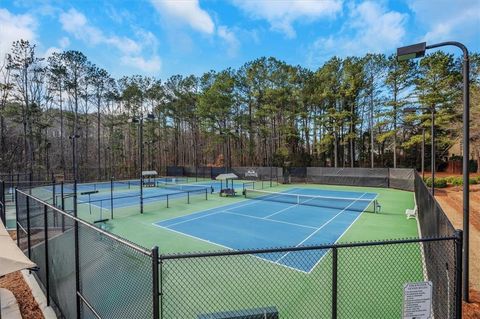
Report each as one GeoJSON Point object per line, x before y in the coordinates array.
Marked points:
{"type": "Point", "coordinates": [251, 173]}
{"type": "Point", "coordinates": [417, 300]}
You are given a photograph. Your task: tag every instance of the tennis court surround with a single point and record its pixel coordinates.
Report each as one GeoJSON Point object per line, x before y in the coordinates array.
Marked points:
{"type": "Point", "coordinates": [352, 281]}
{"type": "Point", "coordinates": [296, 217]}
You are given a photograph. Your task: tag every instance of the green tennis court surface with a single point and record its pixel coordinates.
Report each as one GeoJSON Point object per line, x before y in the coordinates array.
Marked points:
{"type": "Point", "coordinates": [212, 284]}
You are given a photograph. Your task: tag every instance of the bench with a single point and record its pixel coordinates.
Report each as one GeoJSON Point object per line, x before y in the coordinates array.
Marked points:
{"type": "Point", "coordinates": [227, 192]}
{"type": "Point", "coordinates": [256, 313]}
{"type": "Point", "coordinates": [411, 213]}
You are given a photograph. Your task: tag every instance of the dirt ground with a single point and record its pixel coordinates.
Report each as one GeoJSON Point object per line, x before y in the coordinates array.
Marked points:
{"type": "Point", "coordinates": [451, 199]}
{"type": "Point", "coordinates": [445, 174]}
{"type": "Point", "coordinates": [17, 285]}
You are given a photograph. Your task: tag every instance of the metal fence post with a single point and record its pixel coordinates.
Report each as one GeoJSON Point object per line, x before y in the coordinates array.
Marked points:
{"type": "Point", "coordinates": [47, 277]}
{"type": "Point", "coordinates": [54, 193]}
{"type": "Point", "coordinates": [16, 218]}
{"type": "Point", "coordinates": [75, 198]}
{"type": "Point", "coordinates": [458, 273]}
{"type": "Point", "coordinates": [334, 282]}
{"type": "Point", "coordinates": [63, 205]}
{"type": "Point", "coordinates": [111, 198]}
{"type": "Point", "coordinates": [77, 254]}
{"type": "Point", "coordinates": [28, 228]}
{"type": "Point", "coordinates": [388, 178]}
{"type": "Point", "coordinates": [3, 216]}
{"type": "Point", "coordinates": [155, 285]}
{"type": "Point", "coordinates": [3, 192]}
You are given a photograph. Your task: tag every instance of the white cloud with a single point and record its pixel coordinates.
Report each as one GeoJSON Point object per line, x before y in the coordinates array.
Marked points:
{"type": "Point", "coordinates": [187, 12]}
{"type": "Point", "coordinates": [372, 28]}
{"type": "Point", "coordinates": [51, 51]}
{"type": "Point", "coordinates": [230, 39]}
{"type": "Point", "coordinates": [448, 20]}
{"type": "Point", "coordinates": [152, 65]}
{"type": "Point", "coordinates": [282, 14]}
{"type": "Point", "coordinates": [15, 27]}
{"type": "Point", "coordinates": [75, 23]}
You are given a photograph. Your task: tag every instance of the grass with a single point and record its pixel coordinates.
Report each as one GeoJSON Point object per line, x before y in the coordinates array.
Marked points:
{"type": "Point", "coordinates": [370, 279]}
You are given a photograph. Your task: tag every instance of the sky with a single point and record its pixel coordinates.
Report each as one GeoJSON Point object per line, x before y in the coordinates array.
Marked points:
{"type": "Point", "coordinates": [162, 38]}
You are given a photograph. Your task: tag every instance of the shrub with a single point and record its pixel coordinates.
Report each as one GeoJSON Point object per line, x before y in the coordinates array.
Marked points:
{"type": "Point", "coordinates": [439, 182]}
{"type": "Point", "coordinates": [450, 179]}
{"type": "Point", "coordinates": [458, 181]}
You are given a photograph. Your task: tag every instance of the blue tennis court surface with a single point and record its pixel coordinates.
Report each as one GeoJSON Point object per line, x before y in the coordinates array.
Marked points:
{"type": "Point", "coordinates": [132, 198]}
{"type": "Point", "coordinates": [117, 184]}
{"type": "Point", "coordinates": [266, 222]}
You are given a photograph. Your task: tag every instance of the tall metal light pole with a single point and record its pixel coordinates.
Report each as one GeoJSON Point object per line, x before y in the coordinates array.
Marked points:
{"type": "Point", "coordinates": [74, 171]}
{"type": "Point", "coordinates": [416, 51]}
{"type": "Point", "coordinates": [140, 120]}
{"type": "Point", "coordinates": [272, 149]}
{"type": "Point", "coordinates": [423, 153]}
{"type": "Point", "coordinates": [432, 160]}
{"type": "Point", "coordinates": [432, 138]}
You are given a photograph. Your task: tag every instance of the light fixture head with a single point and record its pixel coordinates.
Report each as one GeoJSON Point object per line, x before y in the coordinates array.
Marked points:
{"type": "Point", "coordinates": [411, 51]}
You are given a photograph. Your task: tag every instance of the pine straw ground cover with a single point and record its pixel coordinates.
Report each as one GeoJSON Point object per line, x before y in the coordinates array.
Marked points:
{"type": "Point", "coordinates": [17, 285]}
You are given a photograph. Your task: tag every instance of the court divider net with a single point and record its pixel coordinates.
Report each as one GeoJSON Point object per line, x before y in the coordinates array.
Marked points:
{"type": "Point", "coordinates": [340, 203]}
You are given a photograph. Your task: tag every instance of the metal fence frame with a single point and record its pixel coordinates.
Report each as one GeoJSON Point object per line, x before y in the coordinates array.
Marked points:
{"type": "Point", "coordinates": [81, 299]}
{"type": "Point", "coordinates": [3, 216]}
{"type": "Point", "coordinates": [27, 228]}
{"type": "Point", "coordinates": [456, 238]}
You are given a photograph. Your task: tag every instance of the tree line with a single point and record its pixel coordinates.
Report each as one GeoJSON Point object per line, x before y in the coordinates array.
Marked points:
{"type": "Point", "coordinates": [369, 111]}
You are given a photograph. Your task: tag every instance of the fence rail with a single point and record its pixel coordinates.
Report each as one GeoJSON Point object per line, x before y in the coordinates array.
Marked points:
{"type": "Point", "coordinates": [87, 272]}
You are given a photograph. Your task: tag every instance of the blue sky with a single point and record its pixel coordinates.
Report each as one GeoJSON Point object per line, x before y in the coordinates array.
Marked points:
{"type": "Point", "coordinates": [162, 38]}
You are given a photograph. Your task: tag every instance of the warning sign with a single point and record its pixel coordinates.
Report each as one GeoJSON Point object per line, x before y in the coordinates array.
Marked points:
{"type": "Point", "coordinates": [417, 300]}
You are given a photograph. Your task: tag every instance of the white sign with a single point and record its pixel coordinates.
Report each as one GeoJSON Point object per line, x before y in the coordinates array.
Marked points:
{"type": "Point", "coordinates": [251, 173]}
{"type": "Point", "coordinates": [417, 300]}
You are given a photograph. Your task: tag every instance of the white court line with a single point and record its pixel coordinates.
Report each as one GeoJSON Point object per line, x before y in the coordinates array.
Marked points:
{"type": "Point", "coordinates": [325, 224]}
{"type": "Point", "coordinates": [248, 201]}
{"type": "Point", "coordinates": [229, 248]}
{"type": "Point", "coordinates": [191, 219]}
{"type": "Point", "coordinates": [339, 237]}
{"type": "Point", "coordinates": [270, 220]}
{"type": "Point", "coordinates": [282, 210]}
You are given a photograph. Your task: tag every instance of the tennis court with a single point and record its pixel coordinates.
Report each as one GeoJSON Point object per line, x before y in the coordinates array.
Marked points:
{"type": "Point", "coordinates": [117, 184]}
{"type": "Point", "coordinates": [150, 195]}
{"type": "Point", "coordinates": [295, 217]}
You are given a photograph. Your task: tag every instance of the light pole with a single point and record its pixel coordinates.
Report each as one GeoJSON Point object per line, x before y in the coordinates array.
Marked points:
{"type": "Point", "coordinates": [432, 138]}
{"type": "Point", "coordinates": [416, 51]}
{"type": "Point", "coordinates": [423, 153]}
{"type": "Point", "coordinates": [272, 149]}
{"type": "Point", "coordinates": [140, 120]}
{"type": "Point", "coordinates": [74, 171]}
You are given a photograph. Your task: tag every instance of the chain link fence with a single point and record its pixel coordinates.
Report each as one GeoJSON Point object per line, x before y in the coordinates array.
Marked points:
{"type": "Point", "coordinates": [432, 219]}
{"type": "Point", "coordinates": [3, 212]}
{"type": "Point", "coordinates": [361, 280]}
{"type": "Point", "coordinates": [273, 174]}
{"type": "Point", "coordinates": [87, 272]}
{"type": "Point", "coordinates": [84, 271]}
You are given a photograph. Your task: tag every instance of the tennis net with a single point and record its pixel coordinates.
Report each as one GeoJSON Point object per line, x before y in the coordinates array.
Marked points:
{"type": "Point", "coordinates": [341, 203]}
{"type": "Point", "coordinates": [184, 187]}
